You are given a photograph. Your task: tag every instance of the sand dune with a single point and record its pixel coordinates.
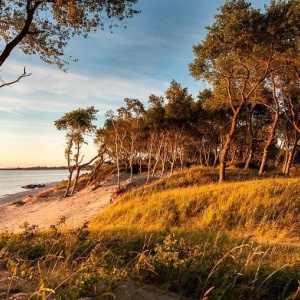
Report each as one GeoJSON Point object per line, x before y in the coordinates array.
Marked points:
{"type": "Point", "coordinates": [75, 210]}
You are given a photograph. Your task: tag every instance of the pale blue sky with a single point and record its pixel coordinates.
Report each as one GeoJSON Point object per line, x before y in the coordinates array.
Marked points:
{"type": "Point", "coordinates": [135, 62]}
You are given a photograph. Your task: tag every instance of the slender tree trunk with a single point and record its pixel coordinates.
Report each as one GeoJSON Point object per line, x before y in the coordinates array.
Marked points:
{"type": "Point", "coordinates": [118, 173]}
{"type": "Point", "coordinates": [95, 172]}
{"type": "Point", "coordinates": [207, 160]}
{"type": "Point", "coordinates": [286, 158]}
{"type": "Point", "coordinates": [291, 156]}
{"type": "Point", "coordinates": [228, 141]}
{"type": "Point", "coordinates": [181, 155]}
{"type": "Point", "coordinates": [150, 157]}
{"type": "Point", "coordinates": [268, 143]}
{"type": "Point", "coordinates": [118, 163]}
{"type": "Point", "coordinates": [251, 146]}
{"type": "Point", "coordinates": [148, 168]}
{"type": "Point", "coordinates": [76, 179]}
{"type": "Point", "coordinates": [279, 155]}
{"type": "Point", "coordinates": [131, 162]}
{"type": "Point", "coordinates": [217, 154]}
{"type": "Point", "coordinates": [200, 156]}
{"type": "Point", "coordinates": [71, 170]}
{"type": "Point", "coordinates": [163, 159]}
{"type": "Point", "coordinates": [250, 156]}
{"type": "Point", "coordinates": [157, 155]}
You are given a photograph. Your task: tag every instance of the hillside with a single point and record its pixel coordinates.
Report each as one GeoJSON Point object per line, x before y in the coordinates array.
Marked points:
{"type": "Point", "coordinates": [265, 209]}
{"type": "Point", "coordinates": [184, 233]}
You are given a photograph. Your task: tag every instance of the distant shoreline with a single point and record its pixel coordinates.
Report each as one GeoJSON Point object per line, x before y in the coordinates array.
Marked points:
{"type": "Point", "coordinates": [34, 168]}
{"type": "Point", "coordinates": [40, 168]}
{"type": "Point", "coordinates": [5, 199]}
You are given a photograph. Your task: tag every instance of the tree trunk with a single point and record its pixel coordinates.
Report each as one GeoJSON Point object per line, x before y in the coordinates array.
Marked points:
{"type": "Point", "coordinates": [163, 159]}
{"type": "Point", "coordinates": [279, 156]}
{"type": "Point", "coordinates": [71, 170]}
{"type": "Point", "coordinates": [24, 31]}
{"type": "Point", "coordinates": [157, 155]}
{"type": "Point", "coordinates": [217, 153]}
{"type": "Point", "coordinates": [151, 147]}
{"type": "Point", "coordinates": [76, 180]}
{"type": "Point", "coordinates": [291, 156]}
{"type": "Point", "coordinates": [228, 141]}
{"type": "Point", "coordinates": [251, 147]}
{"type": "Point", "coordinates": [118, 163]}
{"type": "Point", "coordinates": [95, 172]}
{"type": "Point", "coordinates": [268, 143]}
{"type": "Point", "coordinates": [131, 159]}
{"type": "Point", "coordinates": [249, 158]}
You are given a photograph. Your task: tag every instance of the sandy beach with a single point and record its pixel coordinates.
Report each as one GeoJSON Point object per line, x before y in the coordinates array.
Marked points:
{"type": "Point", "coordinates": [21, 195]}
{"type": "Point", "coordinates": [44, 212]}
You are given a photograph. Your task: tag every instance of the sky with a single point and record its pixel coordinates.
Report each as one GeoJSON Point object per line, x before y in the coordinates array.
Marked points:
{"type": "Point", "coordinates": [154, 49]}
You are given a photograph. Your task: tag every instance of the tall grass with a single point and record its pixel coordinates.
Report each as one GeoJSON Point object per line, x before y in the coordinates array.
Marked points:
{"type": "Point", "coordinates": [245, 233]}
{"type": "Point", "coordinates": [78, 264]}
{"type": "Point", "coordinates": [185, 233]}
{"type": "Point", "coordinates": [266, 209]}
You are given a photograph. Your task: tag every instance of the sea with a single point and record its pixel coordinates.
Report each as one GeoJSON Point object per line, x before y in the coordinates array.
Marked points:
{"type": "Point", "coordinates": [11, 181]}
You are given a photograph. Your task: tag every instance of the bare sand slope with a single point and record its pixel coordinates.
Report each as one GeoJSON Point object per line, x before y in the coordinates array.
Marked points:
{"type": "Point", "coordinates": [45, 212]}
{"type": "Point", "coordinates": [76, 209]}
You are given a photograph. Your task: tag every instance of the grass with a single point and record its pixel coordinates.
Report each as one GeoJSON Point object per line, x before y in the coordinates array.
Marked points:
{"type": "Point", "coordinates": [185, 233]}
{"type": "Point", "coordinates": [266, 209]}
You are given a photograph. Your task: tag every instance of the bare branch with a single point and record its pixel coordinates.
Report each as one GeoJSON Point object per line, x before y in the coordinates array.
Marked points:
{"type": "Point", "coordinates": [24, 74]}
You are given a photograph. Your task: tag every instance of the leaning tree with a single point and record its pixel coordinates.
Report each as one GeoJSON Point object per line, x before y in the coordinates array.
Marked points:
{"type": "Point", "coordinates": [77, 124]}
{"type": "Point", "coordinates": [44, 27]}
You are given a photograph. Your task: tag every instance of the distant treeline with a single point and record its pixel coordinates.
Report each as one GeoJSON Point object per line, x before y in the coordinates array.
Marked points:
{"type": "Point", "coordinates": [40, 168]}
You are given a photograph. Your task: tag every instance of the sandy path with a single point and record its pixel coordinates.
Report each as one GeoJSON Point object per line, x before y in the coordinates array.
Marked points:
{"type": "Point", "coordinates": [75, 210]}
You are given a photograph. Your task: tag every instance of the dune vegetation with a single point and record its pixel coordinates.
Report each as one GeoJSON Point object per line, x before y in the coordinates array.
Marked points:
{"type": "Point", "coordinates": [185, 233]}
{"type": "Point", "coordinates": [198, 232]}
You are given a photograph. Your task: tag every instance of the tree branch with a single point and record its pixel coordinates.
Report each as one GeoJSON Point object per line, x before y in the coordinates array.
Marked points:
{"type": "Point", "coordinates": [25, 74]}
{"type": "Point", "coordinates": [30, 8]}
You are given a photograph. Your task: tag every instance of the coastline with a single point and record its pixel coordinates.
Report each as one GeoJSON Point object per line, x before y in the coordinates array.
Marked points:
{"type": "Point", "coordinates": [74, 210]}
{"type": "Point", "coordinates": [21, 195]}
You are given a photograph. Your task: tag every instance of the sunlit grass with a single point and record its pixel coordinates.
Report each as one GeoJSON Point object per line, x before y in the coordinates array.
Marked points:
{"type": "Point", "coordinates": [265, 209]}
{"type": "Point", "coordinates": [185, 233]}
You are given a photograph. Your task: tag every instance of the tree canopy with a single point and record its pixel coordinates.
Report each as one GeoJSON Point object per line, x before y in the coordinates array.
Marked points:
{"type": "Point", "coordinates": [44, 27]}
{"type": "Point", "coordinates": [244, 54]}
{"type": "Point", "coordinates": [77, 124]}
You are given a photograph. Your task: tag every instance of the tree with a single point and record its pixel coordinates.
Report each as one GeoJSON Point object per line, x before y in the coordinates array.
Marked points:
{"type": "Point", "coordinates": [115, 130]}
{"type": "Point", "coordinates": [241, 49]}
{"type": "Point", "coordinates": [77, 123]}
{"type": "Point", "coordinates": [179, 108]}
{"type": "Point", "coordinates": [44, 27]}
{"type": "Point", "coordinates": [154, 125]}
{"type": "Point", "coordinates": [210, 126]}
{"type": "Point", "coordinates": [133, 117]}
{"type": "Point", "coordinates": [179, 116]}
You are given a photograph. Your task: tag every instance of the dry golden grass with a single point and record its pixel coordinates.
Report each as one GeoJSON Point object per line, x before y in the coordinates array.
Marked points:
{"type": "Point", "coordinates": [185, 233]}
{"type": "Point", "coordinates": [265, 209]}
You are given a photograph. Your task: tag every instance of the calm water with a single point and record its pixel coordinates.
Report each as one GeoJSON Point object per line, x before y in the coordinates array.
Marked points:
{"type": "Point", "coordinates": [11, 181]}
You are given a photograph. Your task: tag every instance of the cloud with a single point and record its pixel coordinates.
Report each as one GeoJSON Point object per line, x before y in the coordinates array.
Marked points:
{"type": "Point", "coordinates": [50, 89]}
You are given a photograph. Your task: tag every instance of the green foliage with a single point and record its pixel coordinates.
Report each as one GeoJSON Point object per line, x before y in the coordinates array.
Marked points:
{"type": "Point", "coordinates": [57, 265]}
{"type": "Point", "coordinates": [246, 56]}
{"type": "Point", "coordinates": [222, 271]}
{"type": "Point", "coordinates": [78, 120]}
{"type": "Point", "coordinates": [77, 123]}
{"type": "Point", "coordinates": [45, 27]}
{"type": "Point", "coordinates": [200, 266]}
